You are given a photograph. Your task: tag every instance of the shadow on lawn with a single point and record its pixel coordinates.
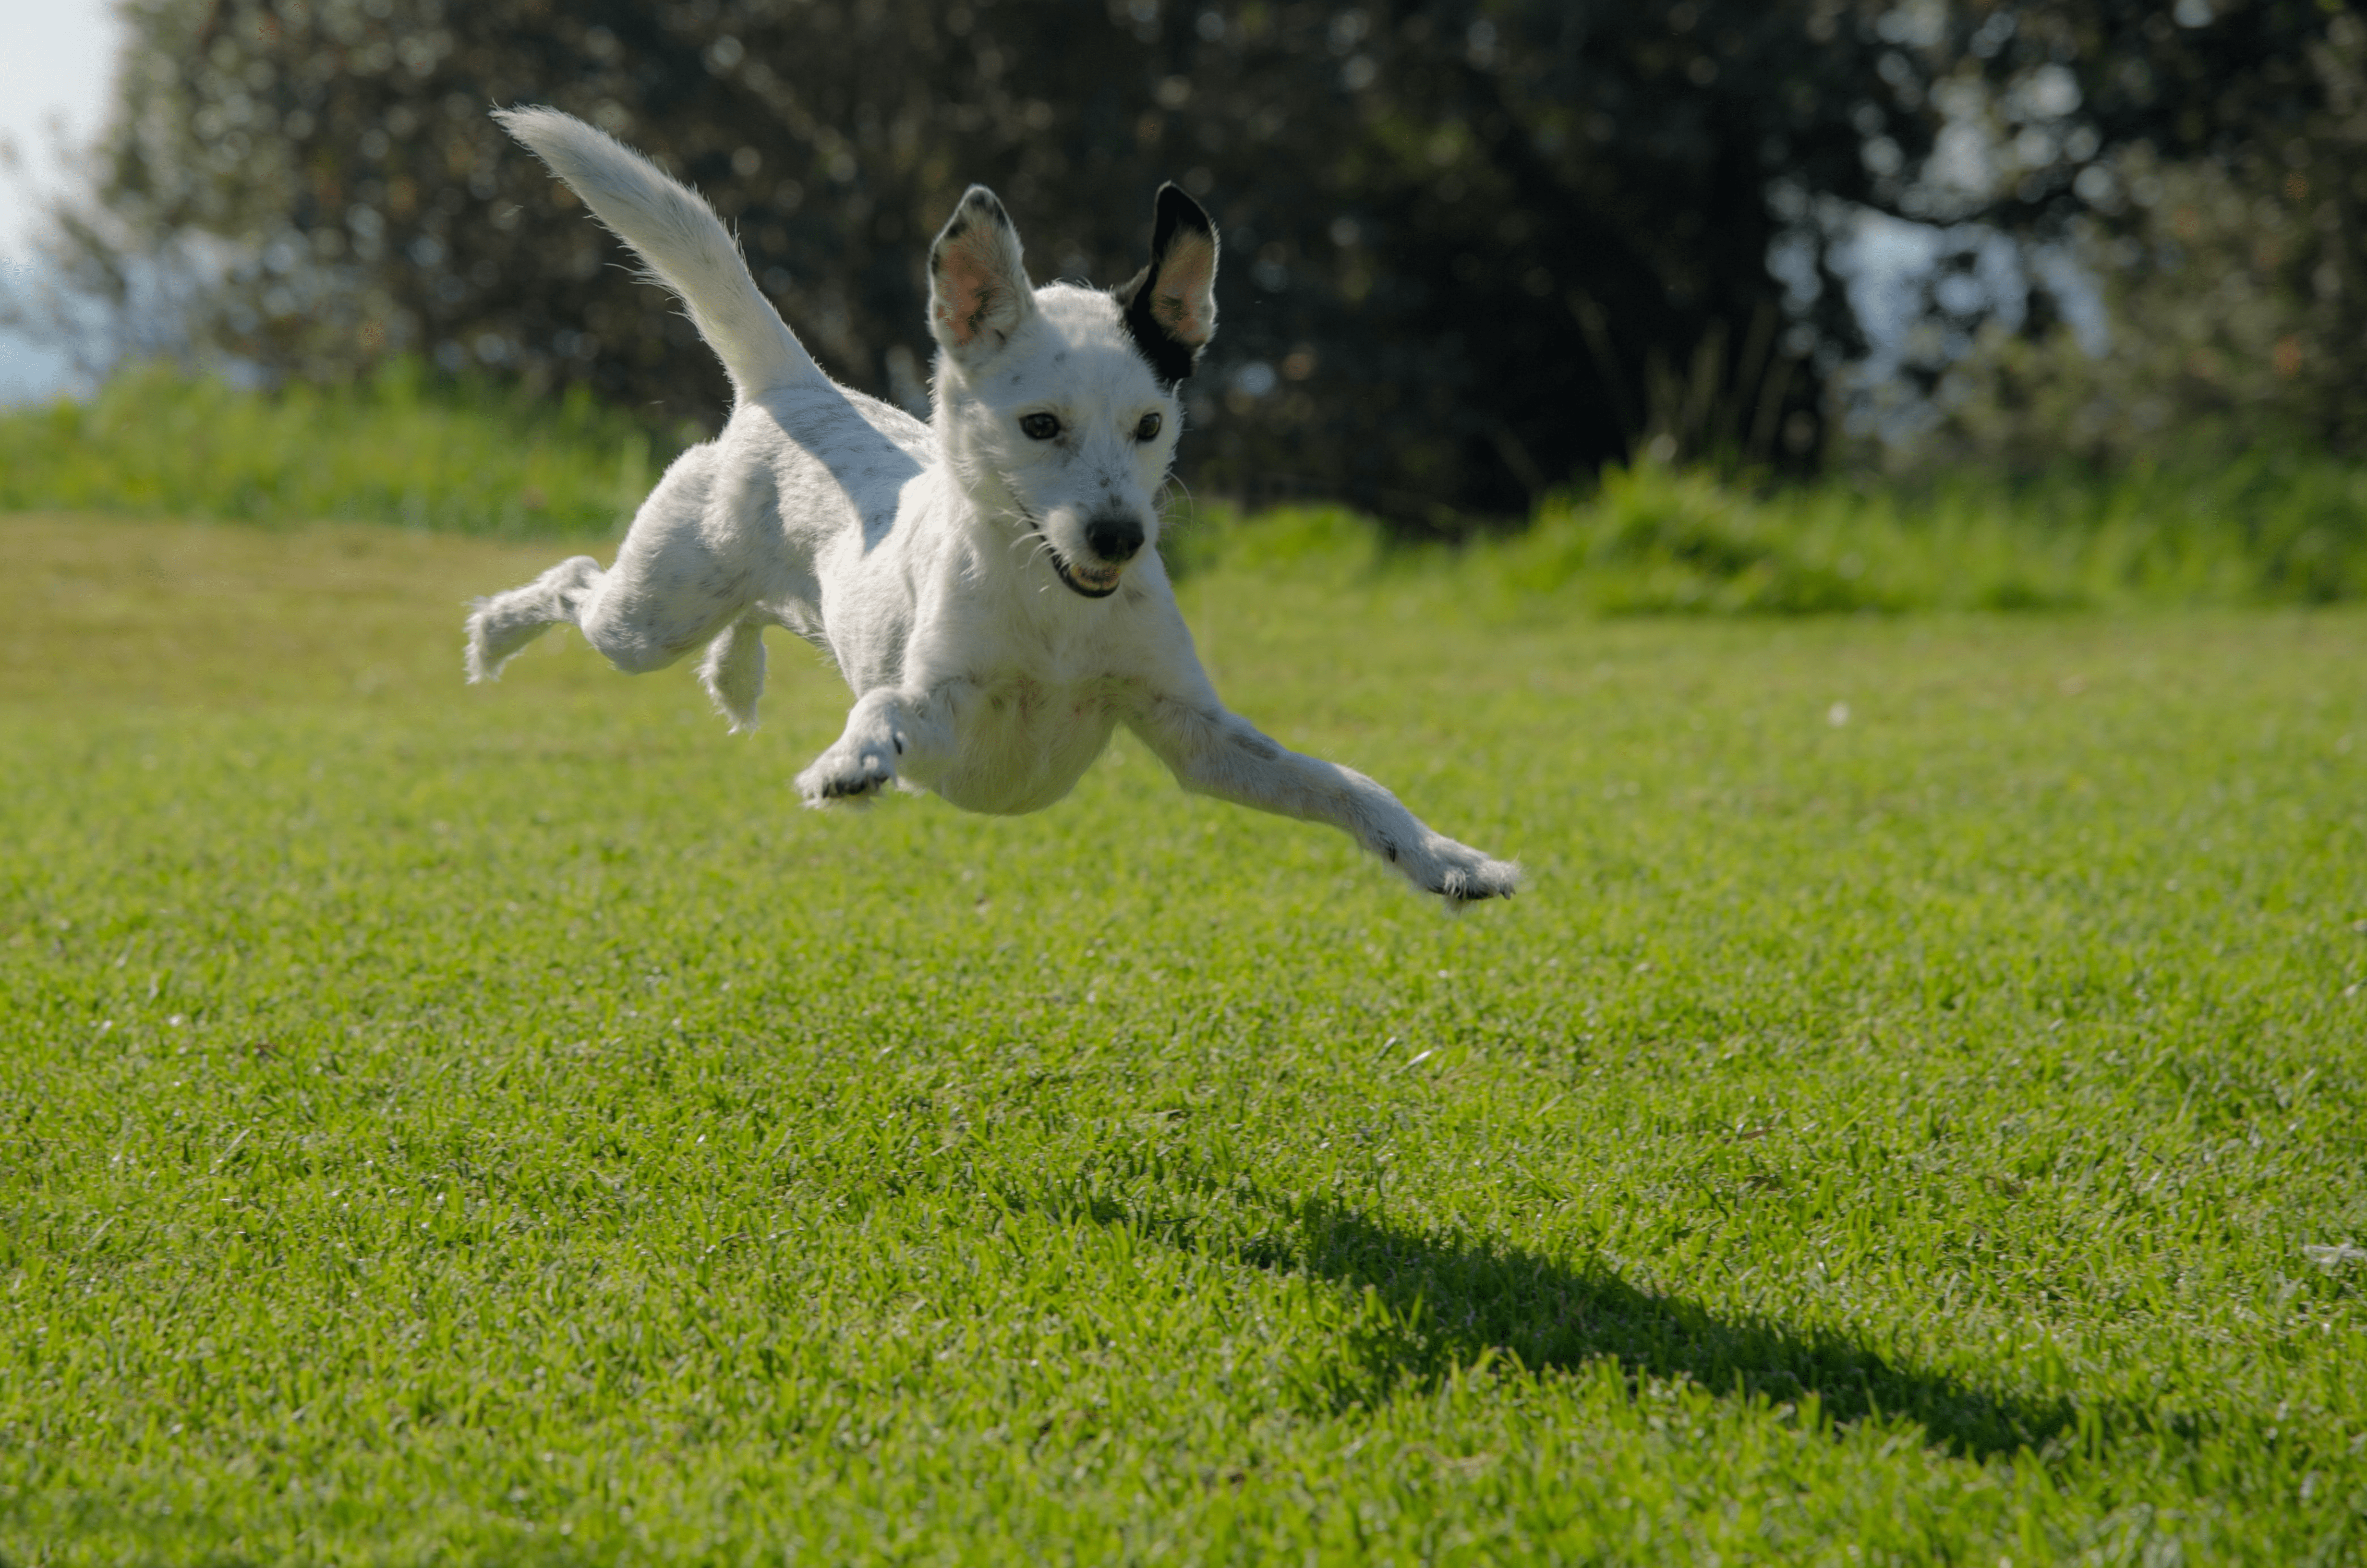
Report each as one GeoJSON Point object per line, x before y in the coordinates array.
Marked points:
{"type": "Point", "coordinates": [1439, 1304]}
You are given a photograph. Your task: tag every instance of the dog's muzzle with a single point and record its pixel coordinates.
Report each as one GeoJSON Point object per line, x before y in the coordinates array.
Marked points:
{"type": "Point", "coordinates": [1094, 583]}
{"type": "Point", "coordinates": [1115, 540]}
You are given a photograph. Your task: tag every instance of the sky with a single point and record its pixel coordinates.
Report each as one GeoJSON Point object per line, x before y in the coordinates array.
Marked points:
{"type": "Point", "coordinates": [56, 60]}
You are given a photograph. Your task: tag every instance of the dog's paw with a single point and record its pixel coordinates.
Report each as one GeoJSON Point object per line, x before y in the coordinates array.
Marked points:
{"type": "Point", "coordinates": [490, 643]}
{"type": "Point", "coordinates": [1458, 873]}
{"type": "Point", "coordinates": [846, 773]}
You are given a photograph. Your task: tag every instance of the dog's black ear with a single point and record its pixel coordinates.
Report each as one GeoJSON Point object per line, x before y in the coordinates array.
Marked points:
{"type": "Point", "coordinates": [979, 292]}
{"type": "Point", "coordinates": [1171, 305]}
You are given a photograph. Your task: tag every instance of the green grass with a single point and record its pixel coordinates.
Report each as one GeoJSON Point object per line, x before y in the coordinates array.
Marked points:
{"type": "Point", "coordinates": [496, 1125]}
{"type": "Point", "coordinates": [2274, 527]}
{"type": "Point", "coordinates": [455, 459]}
{"type": "Point", "coordinates": [2271, 529]}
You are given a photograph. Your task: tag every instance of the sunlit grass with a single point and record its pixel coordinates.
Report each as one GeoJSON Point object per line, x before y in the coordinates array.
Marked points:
{"type": "Point", "coordinates": [2271, 527]}
{"type": "Point", "coordinates": [496, 1125]}
{"type": "Point", "coordinates": [453, 459]}
{"type": "Point", "coordinates": [1653, 541]}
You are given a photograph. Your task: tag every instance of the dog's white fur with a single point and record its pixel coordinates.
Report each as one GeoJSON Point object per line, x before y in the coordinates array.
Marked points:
{"type": "Point", "coordinates": [996, 601]}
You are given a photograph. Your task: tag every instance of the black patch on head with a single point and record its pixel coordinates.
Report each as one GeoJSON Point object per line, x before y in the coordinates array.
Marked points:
{"type": "Point", "coordinates": [1170, 361]}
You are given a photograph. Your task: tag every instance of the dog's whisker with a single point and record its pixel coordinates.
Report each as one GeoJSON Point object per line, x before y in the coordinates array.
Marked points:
{"type": "Point", "coordinates": [1043, 547]}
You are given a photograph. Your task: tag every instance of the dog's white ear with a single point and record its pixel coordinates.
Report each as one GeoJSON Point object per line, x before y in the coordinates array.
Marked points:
{"type": "Point", "coordinates": [1171, 305]}
{"type": "Point", "coordinates": [979, 292]}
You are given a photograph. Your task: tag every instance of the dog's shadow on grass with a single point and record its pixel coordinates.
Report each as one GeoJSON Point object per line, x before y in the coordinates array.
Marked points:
{"type": "Point", "coordinates": [1431, 1306]}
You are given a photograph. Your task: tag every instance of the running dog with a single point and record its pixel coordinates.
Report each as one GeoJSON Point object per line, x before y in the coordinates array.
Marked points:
{"type": "Point", "coordinates": [988, 582]}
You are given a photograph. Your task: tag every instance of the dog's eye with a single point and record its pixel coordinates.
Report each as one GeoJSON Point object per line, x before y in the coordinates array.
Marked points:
{"type": "Point", "coordinates": [1040, 426]}
{"type": "Point", "coordinates": [1149, 430]}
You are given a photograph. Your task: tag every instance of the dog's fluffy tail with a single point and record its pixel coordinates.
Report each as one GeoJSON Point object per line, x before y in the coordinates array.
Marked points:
{"type": "Point", "coordinates": [680, 238]}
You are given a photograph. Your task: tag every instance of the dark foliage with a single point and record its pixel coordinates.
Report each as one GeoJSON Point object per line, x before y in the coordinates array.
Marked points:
{"type": "Point", "coordinates": [1459, 238]}
{"type": "Point", "coordinates": [2206, 161]}
{"type": "Point", "coordinates": [1472, 249]}
{"type": "Point", "coordinates": [2208, 79]}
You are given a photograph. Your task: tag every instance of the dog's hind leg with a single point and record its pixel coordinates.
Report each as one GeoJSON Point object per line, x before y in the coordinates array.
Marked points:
{"type": "Point", "coordinates": [677, 582]}
{"type": "Point", "coordinates": [733, 672]}
{"type": "Point", "coordinates": [505, 623]}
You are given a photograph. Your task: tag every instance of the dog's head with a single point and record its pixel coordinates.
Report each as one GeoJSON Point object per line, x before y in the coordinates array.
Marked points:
{"type": "Point", "coordinates": [1057, 405]}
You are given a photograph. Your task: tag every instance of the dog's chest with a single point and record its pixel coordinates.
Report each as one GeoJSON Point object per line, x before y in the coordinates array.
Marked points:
{"type": "Point", "coordinates": [1022, 740]}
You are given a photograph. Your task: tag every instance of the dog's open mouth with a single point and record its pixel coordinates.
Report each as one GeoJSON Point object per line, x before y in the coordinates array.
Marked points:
{"type": "Point", "coordinates": [1092, 582]}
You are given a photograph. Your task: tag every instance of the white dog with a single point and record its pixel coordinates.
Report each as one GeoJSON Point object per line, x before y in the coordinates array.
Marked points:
{"type": "Point", "coordinates": [988, 582]}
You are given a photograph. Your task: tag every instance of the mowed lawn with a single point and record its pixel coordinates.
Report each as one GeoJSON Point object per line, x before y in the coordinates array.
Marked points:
{"type": "Point", "coordinates": [1915, 1115]}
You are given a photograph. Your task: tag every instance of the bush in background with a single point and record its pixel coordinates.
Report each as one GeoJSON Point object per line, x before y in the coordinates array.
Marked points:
{"type": "Point", "coordinates": [2274, 526]}
{"type": "Point", "coordinates": [471, 458]}
{"type": "Point", "coordinates": [1657, 540]}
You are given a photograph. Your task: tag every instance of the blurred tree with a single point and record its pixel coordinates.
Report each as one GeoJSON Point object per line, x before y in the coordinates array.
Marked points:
{"type": "Point", "coordinates": [1471, 248]}
{"type": "Point", "coordinates": [2206, 163]}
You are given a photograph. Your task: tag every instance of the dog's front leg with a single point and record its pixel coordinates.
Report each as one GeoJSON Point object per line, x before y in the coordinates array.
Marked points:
{"type": "Point", "coordinates": [890, 729]}
{"type": "Point", "coordinates": [1214, 752]}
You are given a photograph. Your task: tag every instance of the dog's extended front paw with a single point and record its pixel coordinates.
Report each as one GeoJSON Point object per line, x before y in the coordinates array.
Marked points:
{"type": "Point", "coordinates": [846, 773]}
{"type": "Point", "coordinates": [1456, 872]}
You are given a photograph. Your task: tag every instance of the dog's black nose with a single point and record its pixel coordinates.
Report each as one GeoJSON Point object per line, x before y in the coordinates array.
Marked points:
{"type": "Point", "coordinates": [1114, 538]}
